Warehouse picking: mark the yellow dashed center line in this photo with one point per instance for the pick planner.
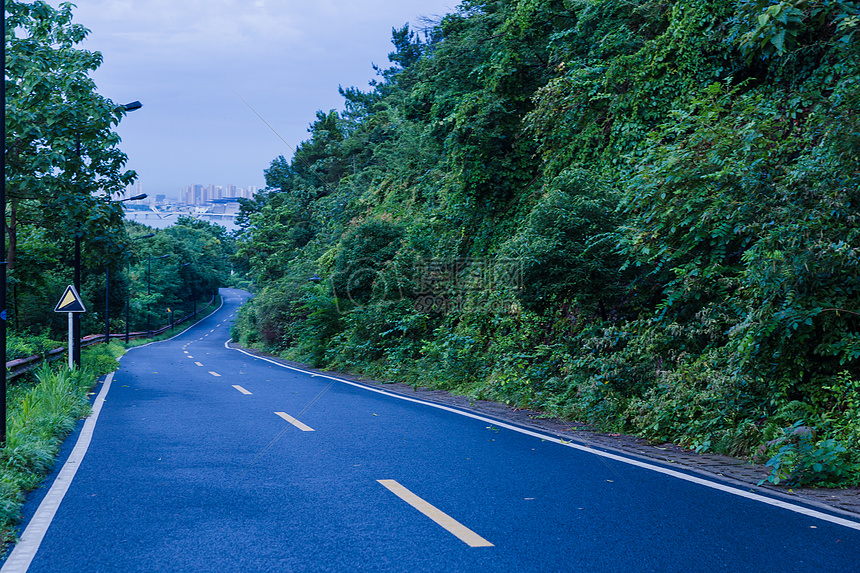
(295, 422)
(242, 390)
(451, 525)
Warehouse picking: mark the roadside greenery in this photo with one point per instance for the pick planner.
(41, 411)
(641, 215)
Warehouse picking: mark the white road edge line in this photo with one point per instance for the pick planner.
(28, 544)
(444, 520)
(644, 465)
(25, 550)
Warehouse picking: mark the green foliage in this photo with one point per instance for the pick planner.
(63, 163)
(769, 28)
(24, 346)
(802, 460)
(38, 418)
(363, 252)
(638, 215)
(562, 245)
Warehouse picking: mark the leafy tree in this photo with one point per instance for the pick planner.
(62, 160)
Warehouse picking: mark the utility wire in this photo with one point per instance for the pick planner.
(287, 427)
(295, 153)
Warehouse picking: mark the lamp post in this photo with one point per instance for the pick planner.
(76, 319)
(107, 276)
(149, 290)
(128, 294)
(193, 298)
(3, 253)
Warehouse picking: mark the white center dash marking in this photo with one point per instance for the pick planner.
(450, 524)
(214, 374)
(295, 422)
(198, 364)
(242, 390)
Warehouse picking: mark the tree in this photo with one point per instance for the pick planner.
(62, 160)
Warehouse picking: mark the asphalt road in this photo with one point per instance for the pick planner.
(204, 458)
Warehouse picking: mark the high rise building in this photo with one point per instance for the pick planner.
(200, 195)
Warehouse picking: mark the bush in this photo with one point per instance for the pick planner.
(24, 345)
(803, 460)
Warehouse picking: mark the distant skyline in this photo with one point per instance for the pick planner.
(192, 63)
(194, 194)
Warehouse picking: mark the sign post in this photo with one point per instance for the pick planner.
(71, 303)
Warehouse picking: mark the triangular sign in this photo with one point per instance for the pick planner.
(70, 301)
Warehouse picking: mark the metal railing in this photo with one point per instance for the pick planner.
(19, 366)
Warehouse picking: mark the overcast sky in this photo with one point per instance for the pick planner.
(192, 62)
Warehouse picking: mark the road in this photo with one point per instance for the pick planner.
(205, 458)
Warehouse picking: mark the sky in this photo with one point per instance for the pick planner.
(201, 66)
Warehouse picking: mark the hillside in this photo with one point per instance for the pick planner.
(643, 216)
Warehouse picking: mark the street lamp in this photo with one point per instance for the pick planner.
(149, 290)
(193, 298)
(128, 294)
(76, 317)
(107, 274)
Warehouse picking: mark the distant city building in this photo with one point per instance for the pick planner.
(133, 190)
(198, 195)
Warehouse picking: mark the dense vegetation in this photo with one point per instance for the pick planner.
(643, 215)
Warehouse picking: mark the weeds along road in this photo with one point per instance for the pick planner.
(204, 458)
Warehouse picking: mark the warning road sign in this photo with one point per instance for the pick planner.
(70, 301)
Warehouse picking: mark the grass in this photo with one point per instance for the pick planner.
(43, 408)
(41, 412)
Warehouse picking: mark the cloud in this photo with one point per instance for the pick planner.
(166, 27)
(187, 60)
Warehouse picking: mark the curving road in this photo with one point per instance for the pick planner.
(205, 458)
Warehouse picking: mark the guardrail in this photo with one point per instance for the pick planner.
(19, 366)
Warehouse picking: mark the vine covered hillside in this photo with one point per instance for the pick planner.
(641, 215)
